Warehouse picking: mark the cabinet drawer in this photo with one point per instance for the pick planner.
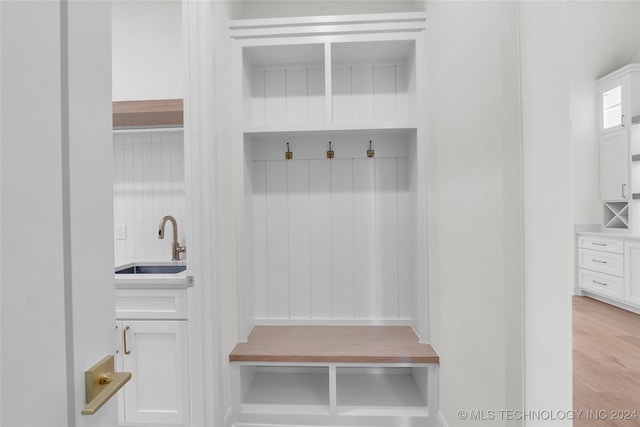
(603, 262)
(151, 303)
(602, 284)
(605, 245)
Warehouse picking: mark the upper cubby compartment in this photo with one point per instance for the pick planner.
(284, 85)
(373, 82)
(328, 73)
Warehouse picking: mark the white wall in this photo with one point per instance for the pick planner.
(147, 49)
(475, 283)
(548, 229)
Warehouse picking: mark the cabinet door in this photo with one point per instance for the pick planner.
(632, 273)
(614, 166)
(155, 352)
(613, 104)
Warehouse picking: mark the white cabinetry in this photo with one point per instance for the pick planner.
(609, 269)
(614, 164)
(601, 266)
(619, 98)
(619, 114)
(152, 344)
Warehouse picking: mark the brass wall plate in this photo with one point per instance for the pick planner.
(101, 383)
(92, 377)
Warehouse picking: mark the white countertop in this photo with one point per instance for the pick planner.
(595, 230)
(180, 280)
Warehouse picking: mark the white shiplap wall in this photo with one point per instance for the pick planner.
(148, 184)
(332, 237)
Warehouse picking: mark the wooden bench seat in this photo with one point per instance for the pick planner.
(334, 344)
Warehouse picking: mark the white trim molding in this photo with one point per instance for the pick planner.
(202, 202)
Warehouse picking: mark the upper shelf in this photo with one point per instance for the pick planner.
(153, 113)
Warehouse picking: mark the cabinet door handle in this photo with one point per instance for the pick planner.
(624, 193)
(599, 244)
(595, 260)
(622, 120)
(124, 334)
(599, 283)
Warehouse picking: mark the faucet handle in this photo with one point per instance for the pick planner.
(177, 249)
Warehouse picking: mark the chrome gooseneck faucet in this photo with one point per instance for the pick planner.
(176, 248)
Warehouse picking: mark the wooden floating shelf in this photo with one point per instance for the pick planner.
(148, 114)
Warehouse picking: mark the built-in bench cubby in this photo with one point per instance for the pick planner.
(331, 200)
(334, 375)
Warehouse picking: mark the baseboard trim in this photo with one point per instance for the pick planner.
(440, 421)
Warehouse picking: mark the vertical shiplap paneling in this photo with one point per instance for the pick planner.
(364, 241)
(370, 93)
(148, 184)
(332, 237)
(291, 96)
(258, 97)
(363, 92)
(140, 223)
(405, 277)
(296, 95)
(147, 192)
(342, 256)
(402, 93)
(320, 239)
(299, 244)
(316, 96)
(119, 210)
(341, 86)
(261, 272)
(277, 239)
(387, 237)
(275, 96)
(384, 89)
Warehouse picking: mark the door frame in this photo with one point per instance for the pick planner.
(201, 181)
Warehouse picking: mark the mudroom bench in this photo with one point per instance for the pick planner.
(334, 375)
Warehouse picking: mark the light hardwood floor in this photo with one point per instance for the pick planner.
(606, 363)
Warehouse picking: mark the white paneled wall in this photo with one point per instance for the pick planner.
(370, 93)
(331, 237)
(293, 95)
(148, 184)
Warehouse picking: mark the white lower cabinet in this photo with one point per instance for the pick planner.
(155, 351)
(632, 273)
(609, 267)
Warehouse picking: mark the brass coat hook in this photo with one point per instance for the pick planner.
(288, 155)
(330, 153)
